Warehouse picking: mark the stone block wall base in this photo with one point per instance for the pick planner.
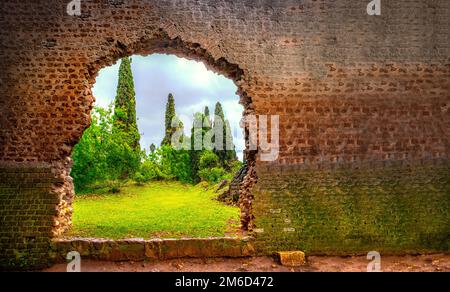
(159, 249)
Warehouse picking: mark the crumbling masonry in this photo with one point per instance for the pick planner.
(364, 106)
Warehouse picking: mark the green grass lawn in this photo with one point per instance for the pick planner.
(156, 210)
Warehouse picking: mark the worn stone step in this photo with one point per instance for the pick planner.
(157, 249)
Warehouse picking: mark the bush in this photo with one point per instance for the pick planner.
(213, 175)
(151, 170)
(139, 179)
(175, 164)
(115, 190)
(208, 160)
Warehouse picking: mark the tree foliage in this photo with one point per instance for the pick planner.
(125, 121)
(166, 164)
(109, 153)
(223, 138)
(101, 156)
(125, 130)
(170, 116)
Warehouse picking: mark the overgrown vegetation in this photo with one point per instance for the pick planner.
(109, 153)
(101, 158)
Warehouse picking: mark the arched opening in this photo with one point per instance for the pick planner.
(176, 47)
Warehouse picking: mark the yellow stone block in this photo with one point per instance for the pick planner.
(292, 258)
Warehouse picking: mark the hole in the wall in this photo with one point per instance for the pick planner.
(192, 52)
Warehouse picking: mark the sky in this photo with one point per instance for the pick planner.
(192, 85)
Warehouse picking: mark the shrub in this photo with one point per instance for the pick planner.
(213, 175)
(139, 179)
(175, 164)
(208, 160)
(151, 170)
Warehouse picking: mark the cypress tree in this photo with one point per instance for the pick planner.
(197, 135)
(226, 152)
(178, 127)
(208, 122)
(124, 119)
(126, 149)
(231, 148)
(152, 148)
(219, 111)
(170, 115)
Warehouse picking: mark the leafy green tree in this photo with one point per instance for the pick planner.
(109, 150)
(123, 160)
(170, 116)
(209, 168)
(165, 163)
(101, 156)
(208, 160)
(150, 169)
(90, 155)
(200, 141)
(175, 164)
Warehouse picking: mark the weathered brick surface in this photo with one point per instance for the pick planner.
(27, 213)
(387, 208)
(349, 88)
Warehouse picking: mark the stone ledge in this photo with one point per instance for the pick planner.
(157, 249)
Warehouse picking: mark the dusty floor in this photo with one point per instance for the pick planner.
(422, 263)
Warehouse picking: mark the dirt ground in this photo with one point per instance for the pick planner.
(421, 263)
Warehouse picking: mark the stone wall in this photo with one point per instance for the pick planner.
(352, 90)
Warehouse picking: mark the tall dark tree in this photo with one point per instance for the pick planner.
(179, 138)
(124, 119)
(152, 148)
(207, 117)
(231, 152)
(218, 111)
(225, 148)
(170, 115)
(219, 131)
(200, 128)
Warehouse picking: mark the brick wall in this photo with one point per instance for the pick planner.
(389, 208)
(349, 88)
(27, 213)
